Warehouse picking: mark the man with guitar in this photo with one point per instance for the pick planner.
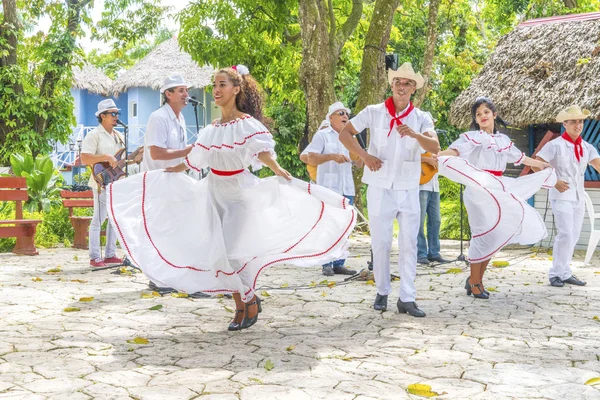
(398, 131)
(99, 146)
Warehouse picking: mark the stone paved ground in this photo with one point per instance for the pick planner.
(529, 341)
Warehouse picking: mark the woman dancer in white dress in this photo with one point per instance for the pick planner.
(216, 235)
(496, 205)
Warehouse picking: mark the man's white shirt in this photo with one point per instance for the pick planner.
(166, 131)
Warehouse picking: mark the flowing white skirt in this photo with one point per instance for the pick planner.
(216, 235)
(497, 206)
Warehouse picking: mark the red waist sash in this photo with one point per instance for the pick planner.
(226, 173)
(496, 173)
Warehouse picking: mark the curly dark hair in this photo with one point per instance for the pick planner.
(250, 98)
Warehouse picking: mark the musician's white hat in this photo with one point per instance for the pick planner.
(105, 105)
(173, 81)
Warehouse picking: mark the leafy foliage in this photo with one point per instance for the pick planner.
(43, 184)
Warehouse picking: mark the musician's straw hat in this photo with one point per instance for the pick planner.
(105, 105)
(572, 112)
(406, 71)
(173, 81)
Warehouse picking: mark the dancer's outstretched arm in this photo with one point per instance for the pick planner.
(266, 158)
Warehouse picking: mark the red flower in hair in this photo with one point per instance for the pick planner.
(234, 67)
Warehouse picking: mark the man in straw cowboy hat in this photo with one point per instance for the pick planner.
(165, 142)
(334, 166)
(392, 171)
(570, 156)
(100, 145)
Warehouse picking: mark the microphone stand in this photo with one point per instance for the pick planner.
(195, 104)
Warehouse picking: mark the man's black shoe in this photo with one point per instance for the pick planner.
(161, 290)
(556, 281)
(380, 302)
(574, 281)
(411, 308)
(423, 261)
(438, 259)
(328, 270)
(343, 271)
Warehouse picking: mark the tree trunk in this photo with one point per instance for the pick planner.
(63, 57)
(373, 80)
(434, 6)
(322, 43)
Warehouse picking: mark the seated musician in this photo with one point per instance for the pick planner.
(100, 145)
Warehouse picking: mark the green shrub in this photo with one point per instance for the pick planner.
(450, 229)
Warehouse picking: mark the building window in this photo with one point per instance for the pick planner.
(133, 110)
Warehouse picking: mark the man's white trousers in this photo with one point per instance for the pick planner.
(385, 205)
(568, 217)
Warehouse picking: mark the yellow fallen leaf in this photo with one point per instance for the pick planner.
(72, 309)
(269, 365)
(54, 270)
(290, 348)
(228, 309)
(526, 284)
(36, 279)
(597, 272)
(139, 340)
(149, 295)
(313, 284)
(75, 258)
(125, 271)
(86, 299)
(331, 284)
(422, 390)
(370, 282)
(179, 295)
(454, 271)
(323, 294)
(593, 381)
(491, 289)
(264, 293)
(78, 280)
(255, 380)
(284, 285)
(220, 295)
(323, 282)
(500, 263)
(596, 318)
(550, 258)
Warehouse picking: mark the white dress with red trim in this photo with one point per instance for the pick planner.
(216, 235)
(496, 205)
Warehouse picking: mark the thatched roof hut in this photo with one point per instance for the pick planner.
(163, 61)
(91, 79)
(539, 68)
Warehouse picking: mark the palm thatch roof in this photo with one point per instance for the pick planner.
(92, 79)
(166, 59)
(538, 69)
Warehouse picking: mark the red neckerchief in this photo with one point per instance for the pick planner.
(576, 143)
(389, 105)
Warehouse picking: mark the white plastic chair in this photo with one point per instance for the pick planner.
(594, 233)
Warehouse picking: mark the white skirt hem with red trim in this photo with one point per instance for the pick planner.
(497, 206)
(217, 235)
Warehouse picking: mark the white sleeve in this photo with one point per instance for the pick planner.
(463, 145)
(90, 143)
(156, 132)
(593, 152)
(515, 155)
(548, 152)
(362, 120)
(427, 124)
(317, 145)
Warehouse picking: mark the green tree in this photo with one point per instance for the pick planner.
(36, 106)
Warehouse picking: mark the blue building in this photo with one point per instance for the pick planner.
(138, 89)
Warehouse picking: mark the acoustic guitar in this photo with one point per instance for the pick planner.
(104, 174)
(427, 171)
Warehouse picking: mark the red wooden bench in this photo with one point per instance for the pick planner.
(13, 188)
(80, 225)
